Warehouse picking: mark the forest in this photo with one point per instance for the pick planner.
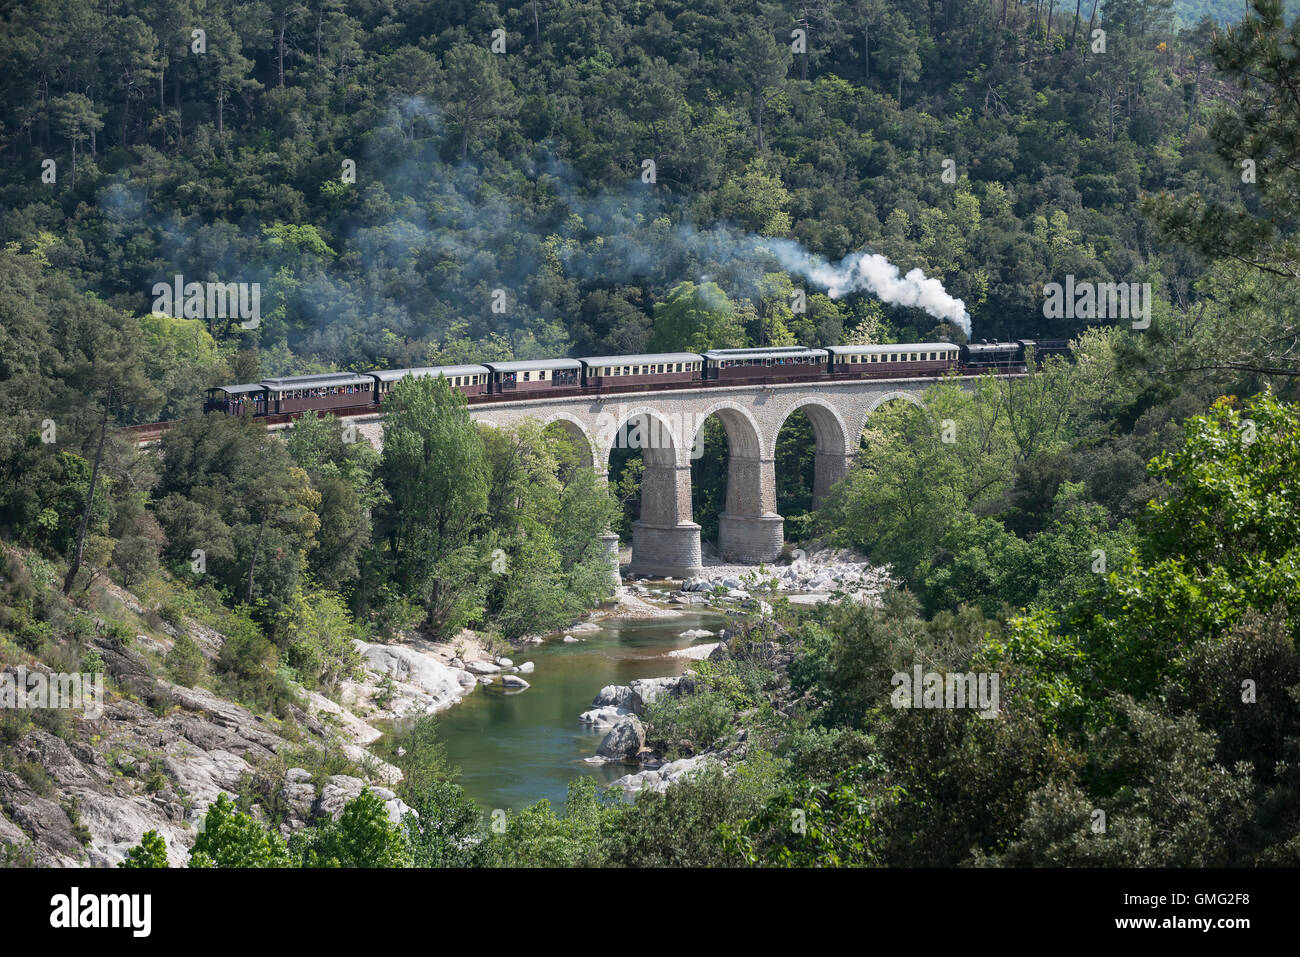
(1115, 534)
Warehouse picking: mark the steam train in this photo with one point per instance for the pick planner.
(598, 375)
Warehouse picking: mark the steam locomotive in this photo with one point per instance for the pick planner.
(598, 375)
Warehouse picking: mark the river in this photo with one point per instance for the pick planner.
(515, 748)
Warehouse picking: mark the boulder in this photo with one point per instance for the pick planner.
(649, 690)
(614, 696)
(526, 668)
(514, 681)
(605, 717)
(424, 671)
(624, 740)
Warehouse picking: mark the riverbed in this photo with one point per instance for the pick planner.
(516, 748)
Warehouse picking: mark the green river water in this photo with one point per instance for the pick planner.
(516, 748)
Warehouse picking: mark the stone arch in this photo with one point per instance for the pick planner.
(577, 430)
(830, 430)
(880, 400)
(665, 541)
(661, 444)
(834, 447)
(749, 529)
(744, 435)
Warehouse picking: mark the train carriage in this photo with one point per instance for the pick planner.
(779, 362)
(319, 393)
(904, 358)
(602, 371)
(246, 399)
(468, 379)
(533, 375)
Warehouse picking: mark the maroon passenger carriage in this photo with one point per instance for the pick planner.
(468, 379)
(318, 393)
(777, 362)
(606, 371)
(898, 359)
(534, 375)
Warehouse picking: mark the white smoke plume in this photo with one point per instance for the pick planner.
(873, 273)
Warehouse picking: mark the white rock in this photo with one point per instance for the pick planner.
(526, 668)
(603, 717)
(695, 652)
(514, 681)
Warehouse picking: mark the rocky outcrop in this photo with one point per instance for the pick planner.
(659, 779)
(649, 690)
(421, 677)
(339, 789)
(615, 702)
(819, 573)
(624, 740)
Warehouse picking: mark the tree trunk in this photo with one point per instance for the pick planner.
(221, 108)
(90, 498)
(1196, 98)
(252, 565)
(537, 26)
(280, 54)
(866, 51)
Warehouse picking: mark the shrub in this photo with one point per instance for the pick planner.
(184, 661)
(689, 723)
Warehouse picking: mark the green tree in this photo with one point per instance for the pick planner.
(694, 319)
(231, 838)
(151, 852)
(363, 836)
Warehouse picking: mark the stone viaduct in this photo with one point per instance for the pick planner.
(666, 426)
